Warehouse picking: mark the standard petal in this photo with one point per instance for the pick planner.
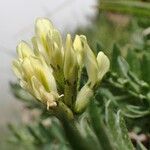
(24, 50)
(103, 64)
(70, 59)
(78, 47)
(36, 85)
(17, 69)
(43, 74)
(27, 69)
(90, 62)
(42, 27)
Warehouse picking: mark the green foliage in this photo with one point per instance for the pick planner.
(39, 136)
(124, 83)
(94, 129)
(126, 6)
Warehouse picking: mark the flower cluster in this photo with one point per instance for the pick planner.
(51, 69)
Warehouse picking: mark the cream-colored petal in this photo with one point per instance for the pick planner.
(103, 64)
(70, 59)
(43, 74)
(27, 68)
(36, 85)
(17, 69)
(90, 62)
(83, 98)
(78, 47)
(56, 37)
(42, 27)
(57, 56)
(24, 50)
(77, 44)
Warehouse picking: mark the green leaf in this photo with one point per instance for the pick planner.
(135, 111)
(133, 61)
(115, 54)
(15, 132)
(100, 129)
(20, 93)
(38, 139)
(44, 133)
(124, 132)
(98, 48)
(117, 128)
(123, 66)
(56, 131)
(145, 67)
(85, 128)
(73, 136)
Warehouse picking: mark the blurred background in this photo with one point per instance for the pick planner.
(104, 22)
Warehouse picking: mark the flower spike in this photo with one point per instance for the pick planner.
(51, 70)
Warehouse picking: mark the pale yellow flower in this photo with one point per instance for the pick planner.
(96, 69)
(51, 69)
(90, 62)
(103, 65)
(83, 98)
(48, 42)
(35, 75)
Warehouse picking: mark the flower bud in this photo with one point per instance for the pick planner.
(49, 42)
(36, 76)
(78, 47)
(70, 61)
(49, 98)
(90, 63)
(83, 98)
